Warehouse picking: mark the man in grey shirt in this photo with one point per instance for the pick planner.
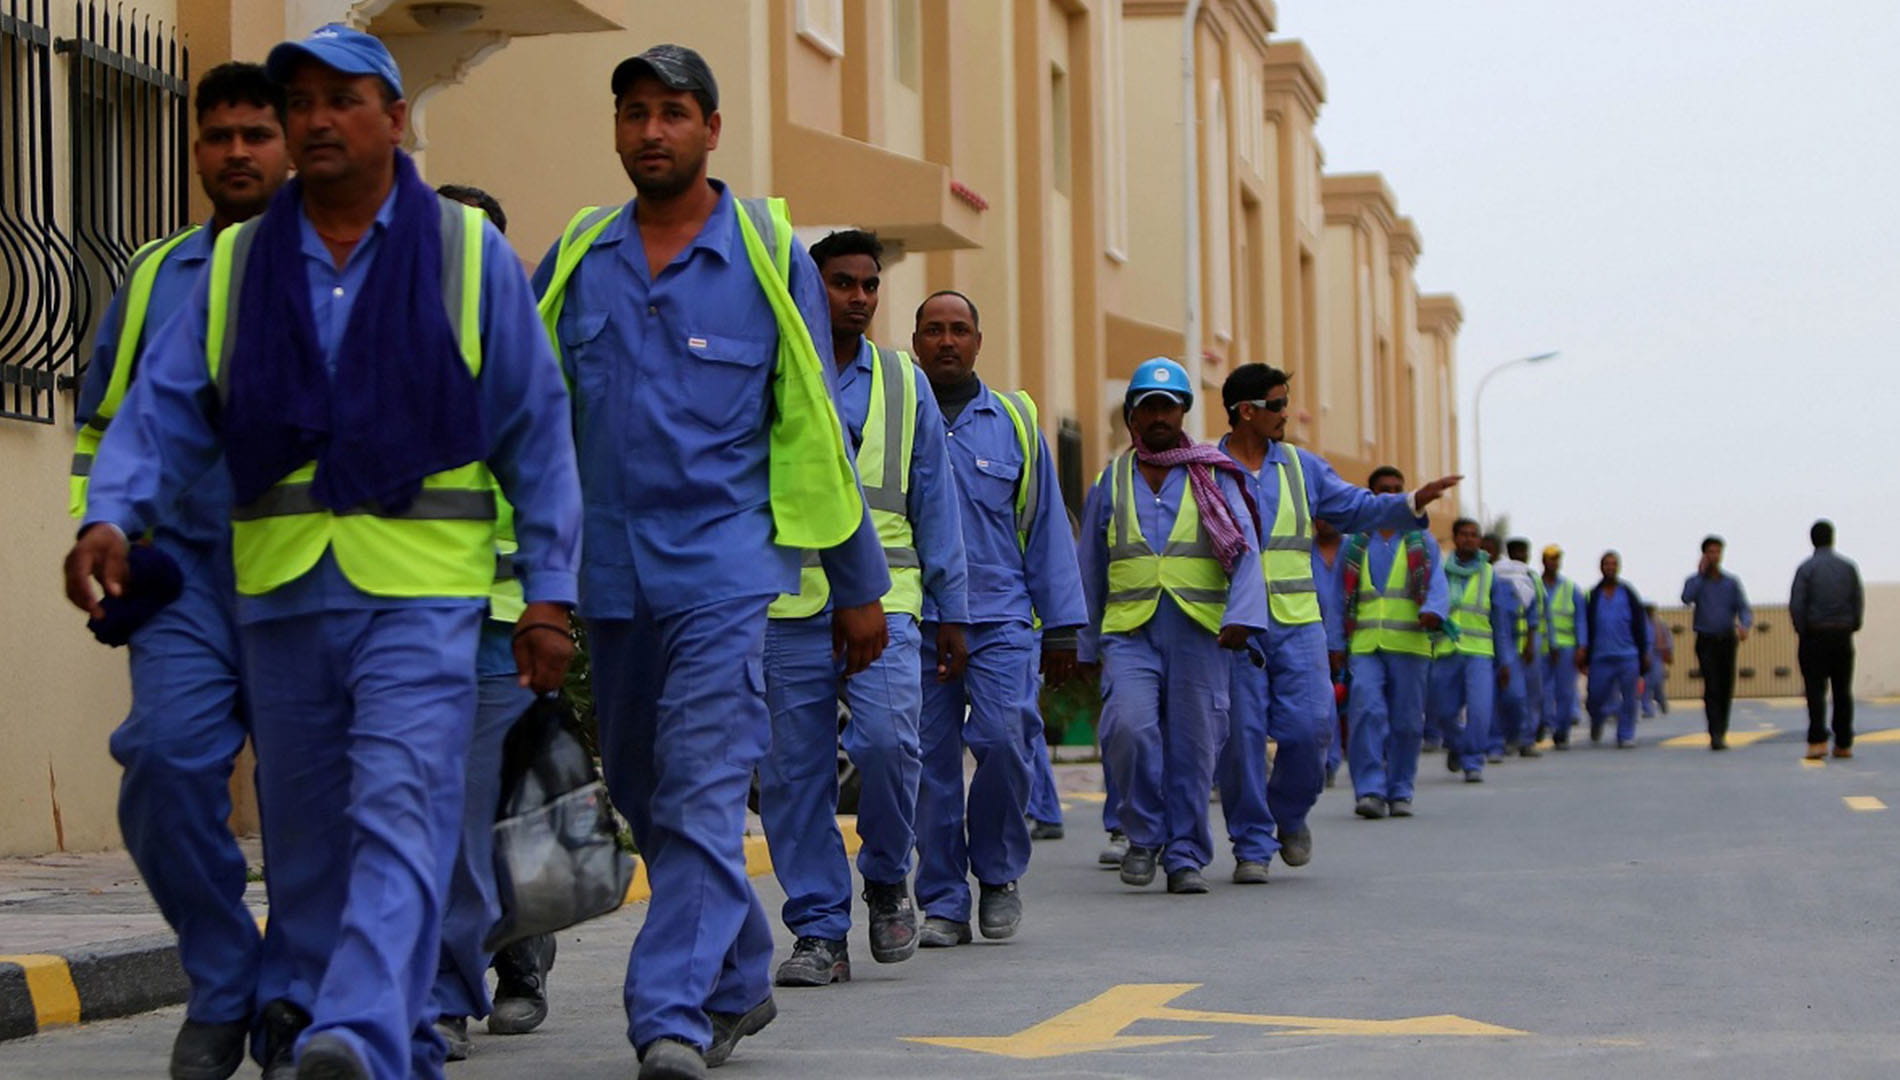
(1825, 608)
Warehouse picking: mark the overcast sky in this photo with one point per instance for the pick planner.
(1699, 204)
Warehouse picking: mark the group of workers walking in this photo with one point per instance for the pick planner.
(344, 473)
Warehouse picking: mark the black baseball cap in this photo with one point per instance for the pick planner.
(676, 66)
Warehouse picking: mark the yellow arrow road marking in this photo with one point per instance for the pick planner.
(1863, 802)
(1735, 738)
(1096, 1025)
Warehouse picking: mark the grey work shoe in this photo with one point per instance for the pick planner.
(893, 922)
(943, 933)
(1453, 761)
(521, 986)
(207, 1051)
(1529, 750)
(1296, 847)
(1369, 806)
(1473, 776)
(1494, 759)
(1045, 830)
(1399, 807)
(999, 910)
(671, 1059)
(281, 1022)
(328, 1057)
(1113, 851)
(1138, 866)
(454, 1031)
(1186, 881)
(1250, 872)
(729, 1028)
(815, 961)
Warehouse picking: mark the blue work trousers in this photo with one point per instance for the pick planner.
(1655, 685)
(1513, 724)
(798, 780)
(1533, 673)
(1613, 687)
(1045, 804)
(683, 724)
(1165, 693)
(1460, 682)
(178, 746)
(461, 986)
(1388, 721)
(1560, 692)
(983, 834)
(1241, 770)
(1299, 717)
(362, 720)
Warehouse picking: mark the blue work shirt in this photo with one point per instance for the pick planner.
(1615, 640)
(1504, 608)
(1010, 581)
(1381, 548)
(1329, 581)
(1577, 600)
(199, 523)
(168, 432)
(931, 500)
(1155, 512)
(1720, 603)
(672, 381)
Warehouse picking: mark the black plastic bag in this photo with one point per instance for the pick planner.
(557, 860)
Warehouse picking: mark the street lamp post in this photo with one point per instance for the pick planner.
(1477, 415)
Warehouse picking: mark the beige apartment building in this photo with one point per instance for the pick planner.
(1027, 152)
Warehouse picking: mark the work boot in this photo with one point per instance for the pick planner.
(1399, 807)
(1186, 881)
(454, 1031)
(1370, 807)
(1473, 776)
(1332, 777)
(893, 922)
(1714, 744)
(327, 1057)
(1843, 751)
(1495, 757)
(1296, 847)
(1543, 732)
(521, 979)
(1250, 872)
(207, 1051)
(729, 1028)
(1559, 744)
(1817, 751)
(1596, 731)
(1045, 830)
(1116, 848)
(999, 910)
(671, 1059)
(1529, 750)
(815, 961)
(943, 933)
(1452, 761)
(1138, 866)
(281, 1022)
(1630, 744)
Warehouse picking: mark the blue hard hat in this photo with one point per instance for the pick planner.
(1160, 376)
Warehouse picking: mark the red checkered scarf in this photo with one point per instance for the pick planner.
(1200, 460)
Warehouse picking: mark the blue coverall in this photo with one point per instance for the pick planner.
(798, 796)
(362, 705)
(1387, 705)
(989, 710)
(1166, 684)
(673, 395)
(1332, 616)
(1618, 653)
(1460, 681)
(1560, 664)
(1515, 722)
(180, 742)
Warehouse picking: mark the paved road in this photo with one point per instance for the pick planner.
(1663, 911)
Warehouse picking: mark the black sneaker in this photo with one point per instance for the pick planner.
(729, 1028)
(207, 1051)
(1187, 881)
(893, 922)
(1113, 851)
(328, 1057)
(671, 1059)
(1138, 866)
(521, 980)
(815, 961)
(454, 1031)
(280, 1025)
(1045, 830)
(999, 910)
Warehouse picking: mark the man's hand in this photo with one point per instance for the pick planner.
(1704, 565)
(1741, 633)
(1583, 660)
(544, 646)
(1234, 637)
(1528, 654)
(953, 652)
(1058, 666)
(1336, 662)
(1504, 676)
(1429, 621)
(858, 636)
(99, 555)
(1429, 494)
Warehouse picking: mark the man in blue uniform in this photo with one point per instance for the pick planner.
(1514, 728)
(1291, 699)
(1568, 631)
(1617, 654)
(711, 454)
(187, 724)
(1171, 565)
(1021, 558)
(1465, 672)
(1662, 653)
(1328, 541)
(1722, 622)
(1533, 645)
(374, 369)
(892, 419)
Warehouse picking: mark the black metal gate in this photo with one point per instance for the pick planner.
(34, 256)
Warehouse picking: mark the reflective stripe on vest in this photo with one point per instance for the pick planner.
(443, 544)
(884, 458)
(1022, 415)
(505, 599)
(1471, 614)
(1560, 615)
(1186, 569)
(1292, 598)
(1388, 616)
(136, 302)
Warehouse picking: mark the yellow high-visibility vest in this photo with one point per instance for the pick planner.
(442, 544)
(1560, 615)
(1471, 615)
(1185, 568)
(1388, 616)
(1287, 561)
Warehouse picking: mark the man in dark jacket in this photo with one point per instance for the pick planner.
(1617, 654)
(1825, 607)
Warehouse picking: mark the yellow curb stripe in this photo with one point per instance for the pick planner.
(49, 980)
(1863, 802)
(758, 859)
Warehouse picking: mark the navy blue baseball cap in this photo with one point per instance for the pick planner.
(337, 46)
(676, 66)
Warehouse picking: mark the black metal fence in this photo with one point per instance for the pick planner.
(125, 180)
